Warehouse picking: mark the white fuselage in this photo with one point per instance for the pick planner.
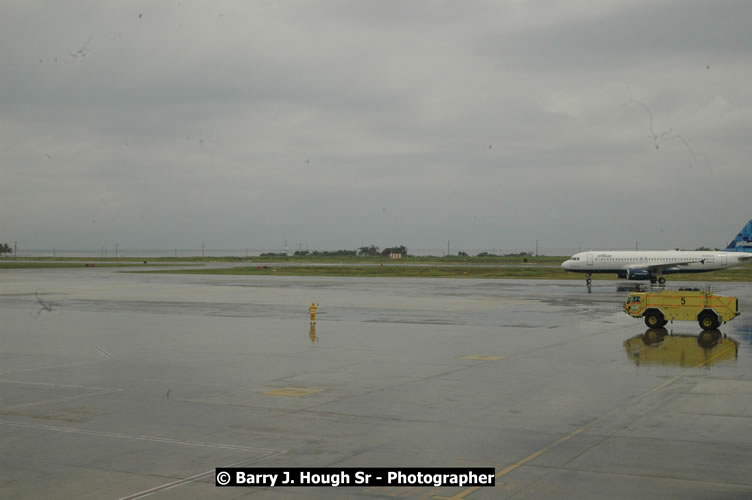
(656, 261)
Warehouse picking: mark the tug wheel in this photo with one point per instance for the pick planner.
(708, 321)
(654, 319)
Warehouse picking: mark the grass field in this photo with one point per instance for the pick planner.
(466, 271)
(514, 267)
(71, 264)
(452, 259)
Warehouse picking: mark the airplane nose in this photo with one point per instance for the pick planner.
(566, 264)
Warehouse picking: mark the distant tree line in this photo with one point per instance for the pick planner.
(374, 250)
(370, 250)
(324, 253)
(367, 251)
(5, 248)
(520, 254)
(402, 249)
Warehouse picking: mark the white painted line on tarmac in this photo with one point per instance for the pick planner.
(53, 384)
(52, 367)
(60, 400)
(180, 482)
(104, 353)
(139, 438)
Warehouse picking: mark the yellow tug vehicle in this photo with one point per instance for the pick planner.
(658, 307)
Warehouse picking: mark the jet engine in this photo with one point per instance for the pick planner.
(638, 274)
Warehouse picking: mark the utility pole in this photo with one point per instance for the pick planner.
(116, 249)
(447, 247)
(203, 245)
(536, 248)
(15, 249)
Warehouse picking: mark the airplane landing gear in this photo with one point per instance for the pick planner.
(657, 278)
(589, 282)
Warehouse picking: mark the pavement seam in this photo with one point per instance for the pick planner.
(585, 427)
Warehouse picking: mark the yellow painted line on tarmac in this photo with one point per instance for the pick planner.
(479, 357)
(582, 429)
(293, 392)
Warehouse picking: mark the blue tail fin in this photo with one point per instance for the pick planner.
(743, 240)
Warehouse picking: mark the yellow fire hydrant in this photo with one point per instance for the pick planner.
(312, 310)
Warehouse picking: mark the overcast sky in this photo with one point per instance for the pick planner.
(338, 124)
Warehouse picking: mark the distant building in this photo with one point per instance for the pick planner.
(395, 255)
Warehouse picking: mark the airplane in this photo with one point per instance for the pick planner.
(653, 264)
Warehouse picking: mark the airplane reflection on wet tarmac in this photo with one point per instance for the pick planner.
(658, 346)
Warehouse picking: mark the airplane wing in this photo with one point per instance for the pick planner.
(667, 265)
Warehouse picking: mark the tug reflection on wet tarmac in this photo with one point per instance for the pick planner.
(658, 346)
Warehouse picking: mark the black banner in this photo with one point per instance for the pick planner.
(353, 476)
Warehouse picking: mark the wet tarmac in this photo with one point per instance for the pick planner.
(116, 385)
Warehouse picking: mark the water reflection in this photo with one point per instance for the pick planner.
(659, 347)
(312, 333)
(743, 330)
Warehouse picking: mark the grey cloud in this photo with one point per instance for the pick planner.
(253, 125)
(635, 35)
